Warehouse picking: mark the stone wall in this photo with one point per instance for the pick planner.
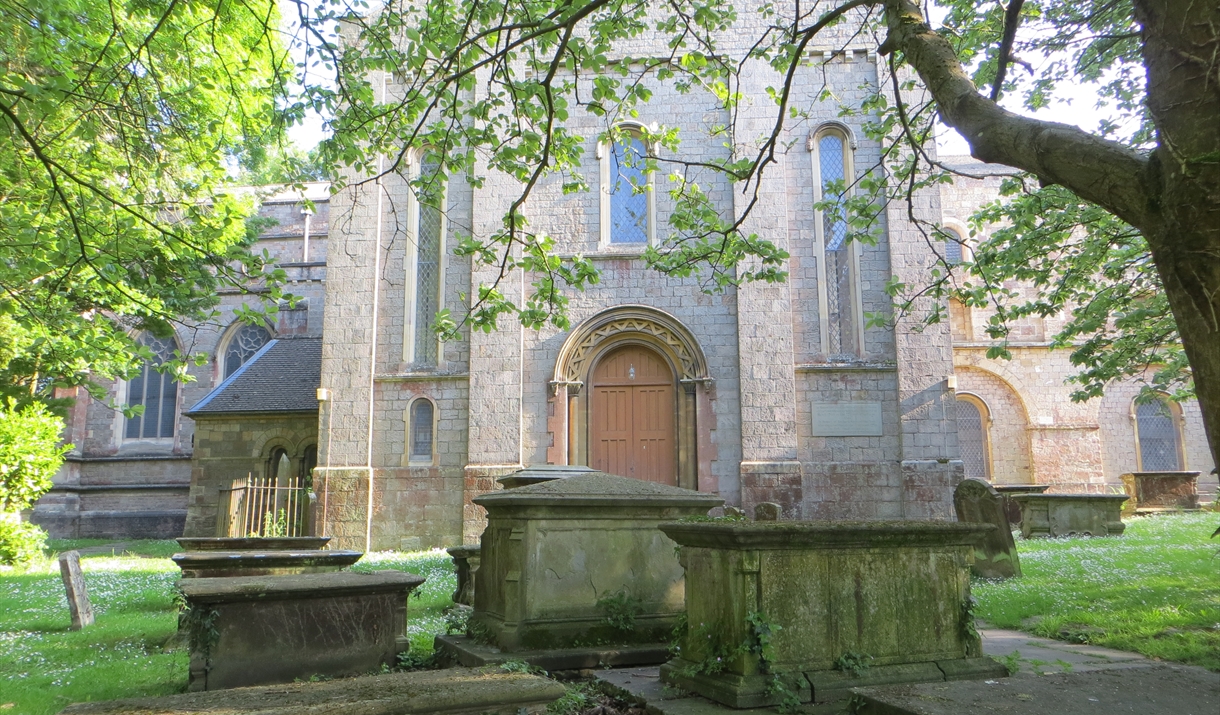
(1037, 433)
(113, 487)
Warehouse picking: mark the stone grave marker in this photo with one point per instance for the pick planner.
(767, 511)
(996, 556)
(74, 584)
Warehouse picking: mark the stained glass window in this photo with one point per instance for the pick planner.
(1158, 437)
(840, 293)
(628, 197)
(156, 391)
(429, 240)
(971, 439)
(248, 340)
(421, 430)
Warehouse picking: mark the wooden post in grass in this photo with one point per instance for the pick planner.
(74, 584)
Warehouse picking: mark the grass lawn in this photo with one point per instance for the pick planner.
(44, 666)
(1154, 590)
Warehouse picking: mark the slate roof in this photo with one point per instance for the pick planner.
(281, 377)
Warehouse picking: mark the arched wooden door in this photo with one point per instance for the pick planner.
(632, 416)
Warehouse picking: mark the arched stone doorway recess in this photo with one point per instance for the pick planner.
(595, 362)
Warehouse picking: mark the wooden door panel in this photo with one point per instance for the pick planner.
(653, 433)
(632, 416)
(612, 430)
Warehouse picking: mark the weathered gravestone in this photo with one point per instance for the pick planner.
(260, 630)
(977, 501)
(1071, 514)
(767, 511)
(74, 584)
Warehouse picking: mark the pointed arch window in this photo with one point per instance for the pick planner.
(243, 344)
(628, 208)
(839, 304)
(1158, 438)
(425, 260)
(972, 438)
(156, 391)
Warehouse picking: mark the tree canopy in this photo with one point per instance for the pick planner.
(119, 125)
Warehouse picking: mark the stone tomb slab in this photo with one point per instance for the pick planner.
(222, 564)
(1071, 514)
(996, 556)
(560, 557)
(257, 630)
(1153, 492)
(888, 594)
(1157, 690)
(252, 543)
(458, 691)
(465, 565)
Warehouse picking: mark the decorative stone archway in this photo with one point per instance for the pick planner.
(568, 421)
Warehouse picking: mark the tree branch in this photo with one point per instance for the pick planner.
(1012, 18)
(1099, 170)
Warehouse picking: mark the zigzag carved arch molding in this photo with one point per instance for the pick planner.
(663, 328)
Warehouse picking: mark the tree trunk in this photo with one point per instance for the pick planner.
(1181, 43)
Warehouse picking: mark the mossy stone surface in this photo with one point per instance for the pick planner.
(553, 550)
(882, 593)
(976, 501)
(255, 630)
(1071, 514)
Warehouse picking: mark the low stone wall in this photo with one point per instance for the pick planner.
(1070, 514)
(458, 691)
(806, 610)
(259, 630)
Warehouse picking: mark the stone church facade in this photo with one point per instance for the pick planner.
(765, 392)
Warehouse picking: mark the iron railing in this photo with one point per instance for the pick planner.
(257, 506)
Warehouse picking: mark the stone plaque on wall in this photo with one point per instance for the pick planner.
(846, 419)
